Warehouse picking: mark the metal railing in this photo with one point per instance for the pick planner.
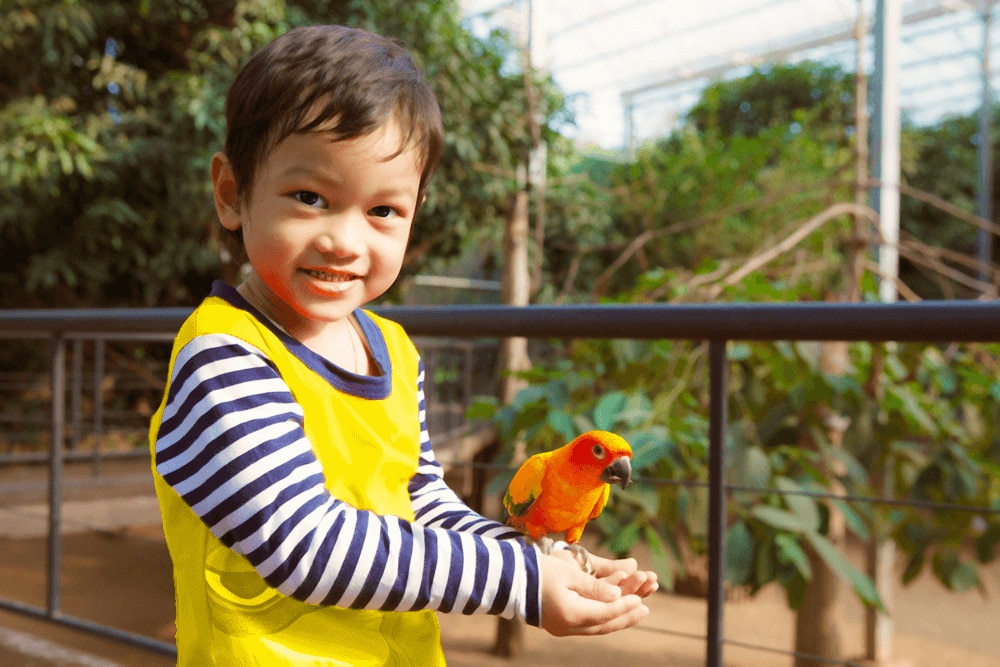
(950, 321)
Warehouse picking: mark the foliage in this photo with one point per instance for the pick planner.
(931, 420)
(753, 152)
(953, 142)
(109, 136)
(697, 198)
(775, 95)
(689, 213)
(923, 413)
(112, 110)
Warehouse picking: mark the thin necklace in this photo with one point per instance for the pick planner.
(354, 347)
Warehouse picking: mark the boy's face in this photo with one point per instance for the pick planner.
(326, 224)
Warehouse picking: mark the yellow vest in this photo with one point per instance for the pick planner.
(369, 449)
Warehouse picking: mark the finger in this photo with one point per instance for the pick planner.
(592, 588)
(605, 618)
(605, 566)
(651, 586)
(633, 583)
(617, 578)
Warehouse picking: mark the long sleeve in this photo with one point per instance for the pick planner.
(232, 445)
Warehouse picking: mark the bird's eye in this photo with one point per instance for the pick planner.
(598, 451)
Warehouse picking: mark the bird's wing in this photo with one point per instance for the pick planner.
(525, 487)
(602, 501)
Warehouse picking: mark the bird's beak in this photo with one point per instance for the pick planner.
(618, 471)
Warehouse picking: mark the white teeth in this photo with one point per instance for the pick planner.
(329, 277)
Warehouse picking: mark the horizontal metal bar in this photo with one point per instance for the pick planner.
(70, 456)
(95, 628)
(44, 323)
(927, 321)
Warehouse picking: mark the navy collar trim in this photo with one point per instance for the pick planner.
(373, 387)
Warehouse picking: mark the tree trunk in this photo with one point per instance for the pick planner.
(819, 624)
(515, 289)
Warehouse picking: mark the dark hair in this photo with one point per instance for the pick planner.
(329, 78)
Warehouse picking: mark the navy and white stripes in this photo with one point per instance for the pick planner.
(232, 444)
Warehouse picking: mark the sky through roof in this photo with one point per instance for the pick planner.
(661, 53)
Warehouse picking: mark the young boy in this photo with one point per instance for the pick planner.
(306, 516)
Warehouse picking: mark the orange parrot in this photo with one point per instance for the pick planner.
(560, 491)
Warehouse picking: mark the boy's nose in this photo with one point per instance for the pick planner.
(342, 235)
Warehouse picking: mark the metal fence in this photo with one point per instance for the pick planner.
(718, 324)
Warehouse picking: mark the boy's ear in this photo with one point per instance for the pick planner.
(225, 192)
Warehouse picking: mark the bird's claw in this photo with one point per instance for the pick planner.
(543, 543)
(582, 556)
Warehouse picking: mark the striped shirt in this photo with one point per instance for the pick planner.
(232, 444)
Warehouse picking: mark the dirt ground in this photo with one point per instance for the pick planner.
(122, 578)
(116, 571)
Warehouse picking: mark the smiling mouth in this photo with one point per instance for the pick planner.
(331, 283)
(328, 277)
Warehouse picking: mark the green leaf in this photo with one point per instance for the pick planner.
(908, 404)
(637, 409)
(986, 543)
(658, 553)
(859, 581)
(648, 447)
(764, 563)
(795, 592)
(752, 468)
(779, 518)
(482, 408)
(739, 553)
(583, 423)
(645, 497)
(803, 507)
(913, 567)
(854, 520)
(737, 351)
(964, 577)
(952, 571)
(790, 552)
(622, 543)
(563, 424)
(608, 409)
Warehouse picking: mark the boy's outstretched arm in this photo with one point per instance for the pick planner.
(232, 445)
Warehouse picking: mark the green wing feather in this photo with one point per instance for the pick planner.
(526, 486)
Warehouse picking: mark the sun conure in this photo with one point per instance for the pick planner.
(560, 491)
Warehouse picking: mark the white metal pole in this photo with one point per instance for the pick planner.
(885, 136)
(885, 200)
(984, 191)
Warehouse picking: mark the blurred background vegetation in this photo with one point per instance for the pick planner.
(110, 111)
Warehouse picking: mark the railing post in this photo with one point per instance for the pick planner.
(76, 395)
(718, 392)
(58, 381)
(98, 429)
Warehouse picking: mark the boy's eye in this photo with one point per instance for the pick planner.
(381, 211)
(308, 198)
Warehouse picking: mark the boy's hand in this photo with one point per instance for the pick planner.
(577, 603)
(625, 574)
